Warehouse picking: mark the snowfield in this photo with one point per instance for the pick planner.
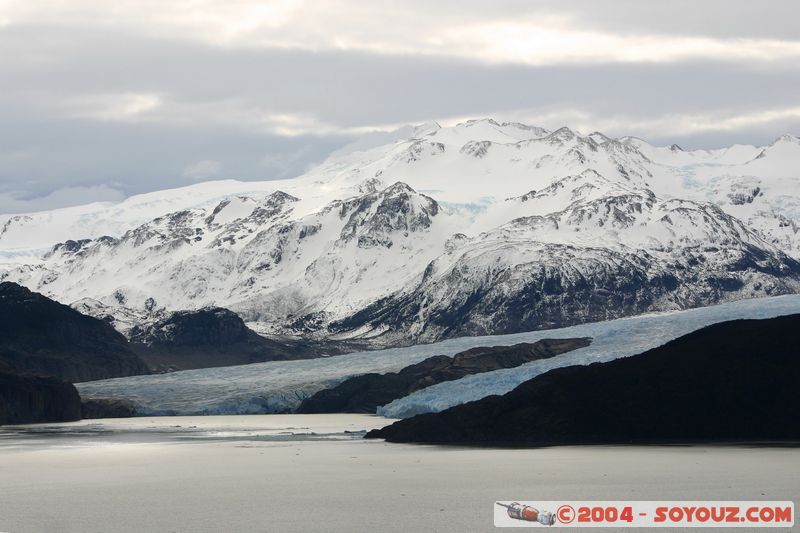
(279, 387)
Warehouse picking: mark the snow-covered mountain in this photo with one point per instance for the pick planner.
(475, 229)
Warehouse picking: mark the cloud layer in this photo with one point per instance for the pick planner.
(139, 95)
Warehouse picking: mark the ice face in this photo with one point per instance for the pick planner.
(280, 386)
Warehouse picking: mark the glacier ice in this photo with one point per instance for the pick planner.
(280, 386)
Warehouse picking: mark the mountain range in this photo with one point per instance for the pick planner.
(475, 229)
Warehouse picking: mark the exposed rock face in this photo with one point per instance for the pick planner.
(43, 337)
(26, 399)
(214, 327)
(107, 408)
(373, 218)
(364, 394)
(207, 338)
(735, 381)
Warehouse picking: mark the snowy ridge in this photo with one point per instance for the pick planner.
(475, 229)
(281, 386)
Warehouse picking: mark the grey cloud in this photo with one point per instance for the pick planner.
(212, 98)
(770, 19)
(356, 89)
(135, 158)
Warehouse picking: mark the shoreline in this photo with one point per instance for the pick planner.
(273, 428)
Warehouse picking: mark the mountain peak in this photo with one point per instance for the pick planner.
(280, 196)
(787, 138)
(599, 137)
(426, 128)
(562, 134)
(474, 121)
(398, 187)
(375, 220)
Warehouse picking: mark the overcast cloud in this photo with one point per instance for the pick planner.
(101, 100)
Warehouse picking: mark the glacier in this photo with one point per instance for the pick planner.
(279, 387)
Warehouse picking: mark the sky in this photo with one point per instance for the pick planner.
(100, 100)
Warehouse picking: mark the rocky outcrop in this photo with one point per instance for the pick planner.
(373, 219)
(26, 399)
(206, 338)
(107, 408)
(43, 337)
(364, 394)
(734, 381)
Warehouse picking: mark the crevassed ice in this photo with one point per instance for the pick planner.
(280, 386)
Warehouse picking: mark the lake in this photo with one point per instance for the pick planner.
(306, 473)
